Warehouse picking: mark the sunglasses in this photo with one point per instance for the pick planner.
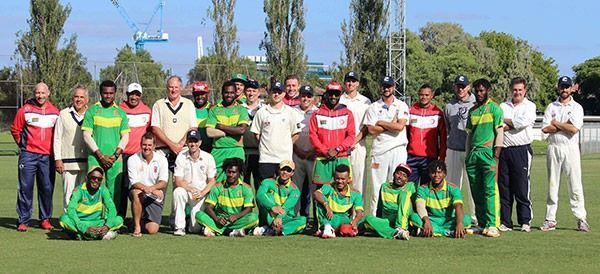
(96, 178)
(287, 169)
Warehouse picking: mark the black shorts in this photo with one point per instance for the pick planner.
(151, 210)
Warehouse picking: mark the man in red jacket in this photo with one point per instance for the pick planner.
(33, 131)
(426, 135)
(331, 132)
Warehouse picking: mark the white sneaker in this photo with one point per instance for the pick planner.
(583, 226)
(548, 225)
(208, 232)
(260, 230)
(179, 232)
(401, 234)
(109, 235)
(504, 228)
(237, 233)
(526, 228)
(328, 232)
(492, 232)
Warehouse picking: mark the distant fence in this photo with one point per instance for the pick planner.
(589, 136)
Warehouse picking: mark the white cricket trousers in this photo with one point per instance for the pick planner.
(382, 170)
(564, 157)
(71, 180)
(457, 174)
(357, 160)
(181, 199)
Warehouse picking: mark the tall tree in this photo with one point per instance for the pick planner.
(283, 40)
(131, 66)
(225, 44)
(587, 75)
(363, 38)
(43, 60)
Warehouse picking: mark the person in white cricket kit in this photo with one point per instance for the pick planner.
(358, 105)
(563, 119)
(195, 175)
(386, 120)
(70, 151)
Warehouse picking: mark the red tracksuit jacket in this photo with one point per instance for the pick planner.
(332, 129)
(33, 127)
(427, 132)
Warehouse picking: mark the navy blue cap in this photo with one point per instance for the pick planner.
(387, 81)
(276, 86)
(251, 83)
(306, 90)
(351, 75)
(193, 135)
(461, 80)
(565, 81)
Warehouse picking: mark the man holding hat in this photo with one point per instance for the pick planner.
(276, 199)
(456, 116)
(252, 105)
(394, 207)
(148, 174)
(331, 132)
(386, 120)
(240, 81)
(563, 120)
(304, 152)
(91, 213)
(275, 126)
(195, 172)
(200, 91)
(139, 118)
(358, 104)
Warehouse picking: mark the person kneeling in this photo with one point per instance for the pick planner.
(440, 207)
(277, 200)
(84, 219)
(394, 207)
(335, 205)
(229, 204)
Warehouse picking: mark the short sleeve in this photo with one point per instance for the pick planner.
(576, 116)
(403, 111)
(248, 196)
(179, 170)
(211, 170)
(124, 122)
(326, 190)
(547, 116)
(469, 126)
(422, 193)
(155, 121)
(358, 202)
(211, 120)
(371, 116)
(88, 119)
(498, 117)
(244, 117)
(455, 195)
(163, 169)
(256, 122)
(132, 165)
(213, 196)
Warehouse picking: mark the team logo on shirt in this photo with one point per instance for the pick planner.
(266, 124)
(155, 169)
(322, 122)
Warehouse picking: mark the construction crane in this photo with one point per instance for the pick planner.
(396, 46)
(140, 36)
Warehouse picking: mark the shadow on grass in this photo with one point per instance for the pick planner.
(8, 222)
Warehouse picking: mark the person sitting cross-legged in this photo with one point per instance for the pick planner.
(229, 204)
(277, 200)
(84, 218)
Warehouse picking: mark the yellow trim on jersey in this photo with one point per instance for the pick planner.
(338, 208)
(278, 199)
(89, 209)
(389, 197)
(107, 122)
(231, 202)
(438, 204)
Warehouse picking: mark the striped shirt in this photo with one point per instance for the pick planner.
(106, 125)
(233, 115)
(85, 206)
(342, 203)
(440, 203)
(230, 199)
(388, 198)
(271, 194)
(139, 123)
(482, 124)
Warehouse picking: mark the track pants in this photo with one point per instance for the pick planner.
(71, 179)
(290, 224)
(39, 169)
(382, 170)
(386, 225)
(252, 170)
(419, 166)
(303, 179)
(248, 221)
(441, 225)
(114, 181)
(457, 174)
(564, 157)
(514, 170)
(481, 169)
(71, 225)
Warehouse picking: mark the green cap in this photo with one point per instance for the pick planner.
(239, 77)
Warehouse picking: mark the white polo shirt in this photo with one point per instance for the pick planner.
(195, 172)
(303, 141)
(140, 171)
(358, 106)
(569, 112)
(523, 118)
(387, 140)
(276, 127)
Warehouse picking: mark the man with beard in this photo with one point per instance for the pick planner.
(563, 120)
(200, 91)
(386, 120)
(106, 133)
(226, 123)
(485, 139)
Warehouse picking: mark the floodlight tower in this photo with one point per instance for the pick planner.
(396, 46)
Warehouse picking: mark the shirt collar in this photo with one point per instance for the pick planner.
(444, 185)
(287, 183)
(348, 191)
(565, 104)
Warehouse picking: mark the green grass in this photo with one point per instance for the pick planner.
(563, 250)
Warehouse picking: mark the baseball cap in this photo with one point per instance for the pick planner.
(251, 83)
(276, 86)
(333, 86)
(134, 87)
(461, 80)
(351, 75)
(404, 167)
(387, 81)
(306, 90)
(565, 81)
(239, 77)
(193, 135)
(96, 168)
(200, 86)
(287, 163)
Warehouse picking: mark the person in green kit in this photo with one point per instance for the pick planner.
(277, 200)
(84, 218)
(439, 206)
(337, 203)
(200, 92)
(106, 132)
(394, 207)
(229, 204)
(226, 123)
(484, 144)
(240, 81)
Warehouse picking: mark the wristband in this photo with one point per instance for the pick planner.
(116, 154)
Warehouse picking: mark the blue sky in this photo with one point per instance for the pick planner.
(562, 30)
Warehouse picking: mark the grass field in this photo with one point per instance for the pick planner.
(563, 250)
